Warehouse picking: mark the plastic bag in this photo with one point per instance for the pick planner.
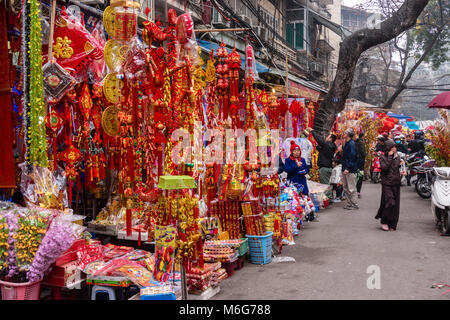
(186, 43)
(135, 66)
(43, 188)
(98, 67)
(125, 23)
(74, 48)
(250, 63)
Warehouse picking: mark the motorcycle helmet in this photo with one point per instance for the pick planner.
(418, 134)
(397, 139)
(380, 138)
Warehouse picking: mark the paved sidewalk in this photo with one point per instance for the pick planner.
(333, 256)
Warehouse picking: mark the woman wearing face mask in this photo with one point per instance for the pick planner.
(296, 168)
(400, 146)
(390, 187)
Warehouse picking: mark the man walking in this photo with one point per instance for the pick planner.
(350, 168)
(326, 149)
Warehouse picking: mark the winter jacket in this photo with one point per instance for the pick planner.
(417, 145)
(379, 147)
(361, 151)
(390, 170)
(296, 174)
(401, 148)
(350, 157)
(280, 165)
(326, 151)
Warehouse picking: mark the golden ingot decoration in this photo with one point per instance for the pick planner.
(112, 88)
(110, 121)
(108, 20)
(115, 54)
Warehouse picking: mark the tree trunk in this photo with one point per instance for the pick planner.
(349, 52)
(402, 86)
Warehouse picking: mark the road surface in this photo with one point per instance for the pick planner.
(333, 256)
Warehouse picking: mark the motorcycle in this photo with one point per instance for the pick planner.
(424, 180)
(440, 198)
(412, 161)
(375, 167)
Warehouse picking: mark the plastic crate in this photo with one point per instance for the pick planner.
(260, 248)
(20, 291)
(243, 248)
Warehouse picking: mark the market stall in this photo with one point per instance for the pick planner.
(134, 176)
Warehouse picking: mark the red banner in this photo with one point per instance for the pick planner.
(302, 91)
(7, 176)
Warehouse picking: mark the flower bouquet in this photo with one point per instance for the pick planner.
(30, 242)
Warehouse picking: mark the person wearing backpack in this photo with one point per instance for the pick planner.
(361, 152)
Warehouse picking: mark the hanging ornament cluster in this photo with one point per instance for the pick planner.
(234, 64)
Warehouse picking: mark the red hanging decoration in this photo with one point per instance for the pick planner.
(295, 109)
(70, 156)
(284, 107)
(54, 122)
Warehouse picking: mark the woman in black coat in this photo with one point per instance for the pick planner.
(390, 187)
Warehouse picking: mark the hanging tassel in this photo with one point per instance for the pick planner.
(70, 192)
(55, 153)
(128, 227)
(139, 237)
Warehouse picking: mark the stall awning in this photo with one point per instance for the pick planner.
(293, 78)
(398, 116)
(206, 46)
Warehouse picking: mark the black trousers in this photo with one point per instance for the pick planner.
(359, 183)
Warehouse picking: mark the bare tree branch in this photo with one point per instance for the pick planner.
(402, 85)
(350, 50)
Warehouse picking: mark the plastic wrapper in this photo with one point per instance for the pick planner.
(58, 238)
(74, 48)
(98, 67)
(186, 43)
(136, 273)
(125, 23)
(135, 65)
(250, 63)
(57, 81)
(43, 188)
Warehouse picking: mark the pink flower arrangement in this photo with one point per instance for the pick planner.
(59, 237)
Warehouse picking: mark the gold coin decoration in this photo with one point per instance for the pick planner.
(112, 88)
(110, 122)
(108, 20)
(115, 54)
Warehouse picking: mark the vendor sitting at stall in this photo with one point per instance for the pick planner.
(296, 168)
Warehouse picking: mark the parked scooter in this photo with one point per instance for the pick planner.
(412, 162)
(440, 198)
(424, 180)
(375, 167)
